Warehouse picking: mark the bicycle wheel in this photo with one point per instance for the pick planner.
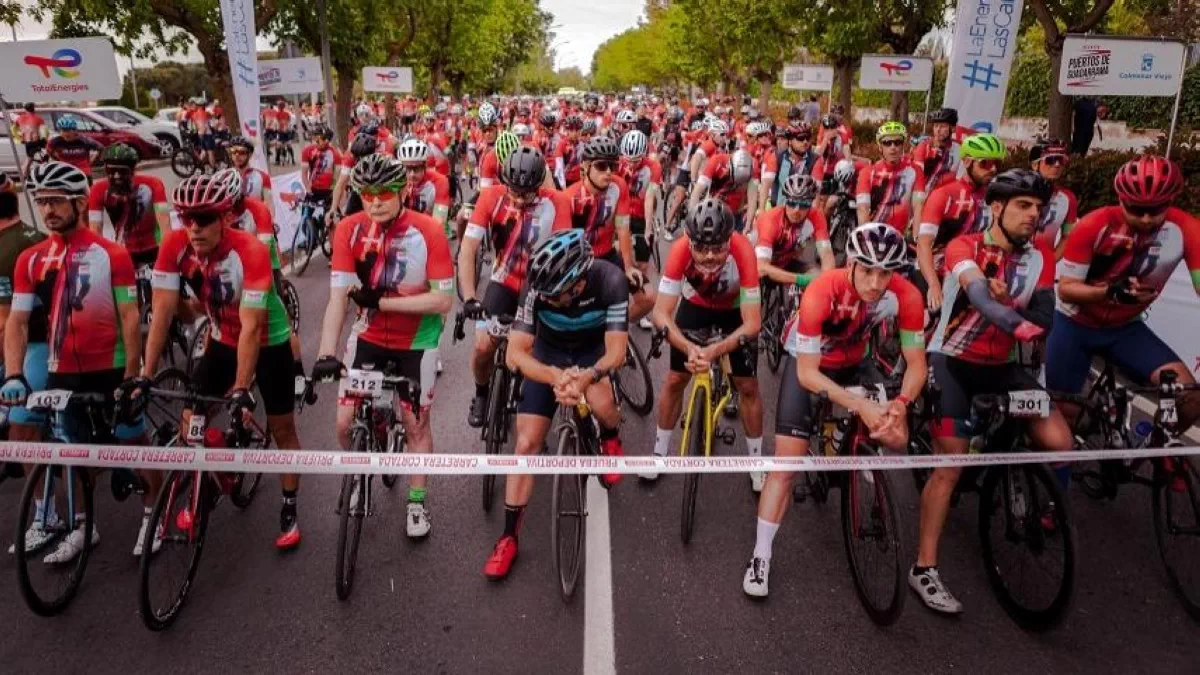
(49, 588)
(352, 509)
(633, 381)
(302, 247)
(1028, 544)
(871, 535)
(246, 485)
(497, 429)
(326, 242)
(695, 434)
(183, 162)
(774, 335)
(164, 415)
(567, 523)
(198, 346)
(1176, 501)
(291, 302)
(397, 445)
(181, 512)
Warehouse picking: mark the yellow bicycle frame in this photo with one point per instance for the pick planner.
(705, 381)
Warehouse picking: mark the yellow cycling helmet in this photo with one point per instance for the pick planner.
(890, 130)
(983, 146)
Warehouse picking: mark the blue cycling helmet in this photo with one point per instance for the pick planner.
(66, 124)
(559, 262)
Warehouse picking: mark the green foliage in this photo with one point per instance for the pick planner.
(176, 81)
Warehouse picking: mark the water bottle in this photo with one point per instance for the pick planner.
(1140, 434)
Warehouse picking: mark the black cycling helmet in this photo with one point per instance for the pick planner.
(830, 121)
(525, 169)
(322, 131)
(944, 116)
(241, 142)
(376, 170)
(589, 126)
(573, 123)
(1047, 146)
(559, 262)
(795, 113)
(120, 154)
(710, 222)
(370, 128)
(1017, 183)
(362, 146)
(601, 147)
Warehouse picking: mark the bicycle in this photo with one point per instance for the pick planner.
(376, 428)
(311, 233)
(291, 302)
(190, 159)
(184, 506)
(1106, 422)
(198, 345)
(780, 304)
(483, 261)
(869, 514)
(578, 434)
(176, 349)
(1019, 505)
(632, 379)
(710, 393)
(504, 395)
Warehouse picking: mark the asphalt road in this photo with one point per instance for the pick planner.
(647, 604)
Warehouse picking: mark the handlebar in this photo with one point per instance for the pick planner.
(460, 320)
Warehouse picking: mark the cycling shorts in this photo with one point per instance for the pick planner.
(34, 147)
(35, 369)
(794, 409)
(97, 382)
(217, 370)
(1133, 347)
(641, 246)
(683, 178)
(208, 141)
(694, 317)
(614, 257)
(537, 398)
(959, 381)
(144, 258)
(415, 364)
(498, 300)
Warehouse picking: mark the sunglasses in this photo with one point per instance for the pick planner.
(798, 204)
(1139, 211)
(1054, 160)
(238, 151)
(710, 249)
(50, 201)
(802, 138)
(372, 193)
(604, 165)
(986, 164)
(892, 142)
(122, 171)
(200, 220)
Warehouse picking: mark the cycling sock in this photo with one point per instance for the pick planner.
(416, 495)
(287, 513)
(766, 536)
(754, 446)
(512, 520)
(661, 440)
(50, 513)
(607, 434)
(481, 390)
(918, 570)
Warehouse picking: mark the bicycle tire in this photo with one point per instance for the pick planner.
(882, 533)
(567, 505)
(326, 242)
(776, 320)
(496, 424)
(397, 444)
(695, 435)
(1187, 590)
(183, 162)
(302, 250)
(41, 603)
(920, 444)
(198, 346)
(635, 370)
(176, 492)
(1045, 615)
(351, 516)
(291, 302)
(164, 416)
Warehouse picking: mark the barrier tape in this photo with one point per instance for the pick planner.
(323, 462)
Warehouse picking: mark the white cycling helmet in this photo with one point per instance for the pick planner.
(717, 126)
(363, 111)
(741, 167)
(521, 130)
(58, 176)
(487, 115)
(633, 145)
(412, 151)
(626, 116)
(844, 172)
(456, 109)
(878, 245)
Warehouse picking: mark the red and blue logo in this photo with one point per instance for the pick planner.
(388, 77)
(898, 67)
(64, 62)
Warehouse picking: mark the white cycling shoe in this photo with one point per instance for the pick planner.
(69, 548)
(933, 592)
(754, 583)
(757, 480)
(417, 523)
(35, 537)
(158, 540)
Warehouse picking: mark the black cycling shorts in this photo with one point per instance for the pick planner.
(537, 398)
(499, 300)
(794, 409)
(147, 257)
(96, 382)
(693, 317)
(417, 365)
(217, 370)
(614, 257)
(959, 381)
(208, 141)
(683, 177)
(34, 147)
(641, 246)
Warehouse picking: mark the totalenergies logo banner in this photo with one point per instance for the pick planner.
(895, 73)
(59, 70)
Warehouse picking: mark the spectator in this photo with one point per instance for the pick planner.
(812, 111)
(1084, 126)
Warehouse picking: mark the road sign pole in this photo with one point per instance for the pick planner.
(17, 158)
(925, 119)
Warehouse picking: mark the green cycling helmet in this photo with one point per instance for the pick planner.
(983, 146)
(506, 143)
(891, 129)
(120, 154)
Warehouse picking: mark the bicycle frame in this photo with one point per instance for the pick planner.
(706, 381)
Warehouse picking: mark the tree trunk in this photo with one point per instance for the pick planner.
(345, 97)
(843, 72)
(765, 82)
(389, 111)
(899, 106)
(1060, 110)
(435, 82)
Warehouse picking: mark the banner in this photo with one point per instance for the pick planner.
(1174, 318)
(55, 70)
(985, 40)
(287, 190)
(394, 80)
(895, 73)
(1116, 66)
(810, 78)
(290, 76)
(243, 67)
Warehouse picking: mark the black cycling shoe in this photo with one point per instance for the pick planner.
(478, 410)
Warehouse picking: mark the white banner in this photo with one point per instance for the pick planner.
(397, 80)
(1115, 66)
(74, 69)
(895, 73)
(810, 78)
(985, 40)
(287, 191)
(1174, 318)
(243, 67)
(290, 76)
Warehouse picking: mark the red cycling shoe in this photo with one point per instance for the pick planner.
(501, 560)
(288, 539)
(611, 448)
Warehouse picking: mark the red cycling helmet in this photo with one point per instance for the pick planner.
(202, 193)
(1148, 181)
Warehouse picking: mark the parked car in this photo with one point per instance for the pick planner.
(105, 131)
(165, 132)
(167, 115)
(8, 164)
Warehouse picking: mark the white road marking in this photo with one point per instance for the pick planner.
(599, 638)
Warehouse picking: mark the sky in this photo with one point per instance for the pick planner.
(581, 25)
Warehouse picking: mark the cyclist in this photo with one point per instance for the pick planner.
(346, 201)
(279, 128)
(730, 178)
(31, 129)
(785, 231)
(1116, 262)
(483, 140)
(394, 262)
(938, 155)
(710, 279)
(827, 344)
(834, 139)
(426, 191)
(571, 331)
(796, 159)
(136, 205)
(891, 190)
(319, 164)
(999, 290)
(1049, 158)
(570, 151)
(85, 285)
(199, 118)
(760, 144)
(493, 159)
(954, 209)
(518, 214)
(643, 176)
(229, 272)
(256, 183)
(73, 148)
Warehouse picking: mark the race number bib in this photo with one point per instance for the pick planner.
(1033, 403)
(195, 430)
(50, 399)
(361, 384)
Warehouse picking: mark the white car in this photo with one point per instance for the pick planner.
(167, 115)
(166, 133)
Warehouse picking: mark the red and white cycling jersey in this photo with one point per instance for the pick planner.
(1062, 209)
(962, 331)
(719, 179)
(437, 144)
(835, 322)
(940, 164)
(321, 164)
(727, 287)
(256, 182)
(639, 177)
(433, 191)
(599, 214)
(489, 169)
(953, 209)
(888, 191)
(516, 231)
(781, 241)
(134, 216)
(1102, 249)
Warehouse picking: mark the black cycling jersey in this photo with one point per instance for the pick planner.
(603, 307)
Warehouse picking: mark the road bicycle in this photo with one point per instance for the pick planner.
(578, 434)
(311, 234)
(780, 304)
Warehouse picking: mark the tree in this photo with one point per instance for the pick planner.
(177, 81)
(572, 77)
(902, 25)
(1079, 16)
(843, 32)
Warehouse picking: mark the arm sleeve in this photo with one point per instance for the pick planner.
(343, 274)
(814, 309)
(820, 227)
(22, 300)
(441, 195)
(478, 224)
(439, 268)
(158, 194)
(1006, 318)
(523, 322)
(96, 203)
(768, 229)
(862, 191)
(911, 318)
(677, 261)
(1077, 254)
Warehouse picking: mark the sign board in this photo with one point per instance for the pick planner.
(59, 70)
(155, 94)
(1117, 66)
(985, 41)
(290, 76)
(895, 73)
(1174, 318)
(395, 80)
(810, 78)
